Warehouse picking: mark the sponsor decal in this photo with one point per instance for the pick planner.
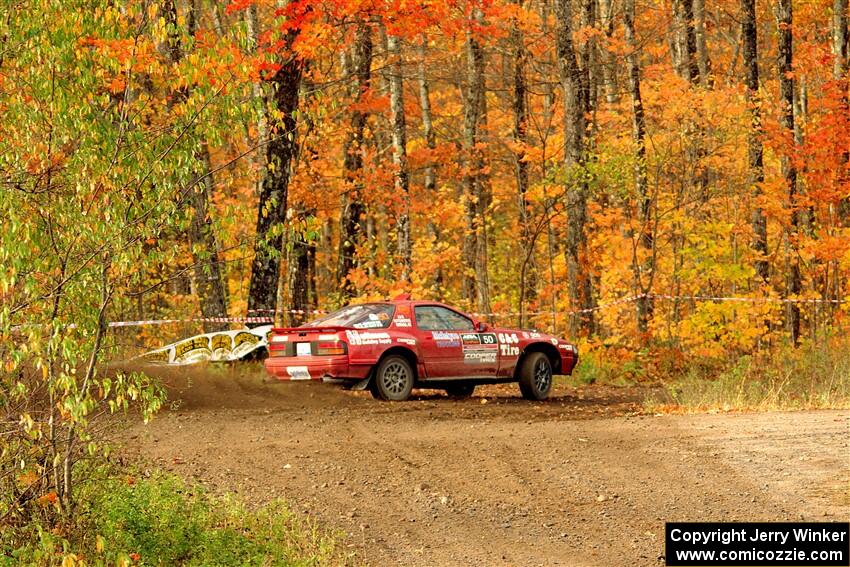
(554, 341)
(327, 337)
(508, 350)
(402, 320)
(534, 335)
(470, 339)
(479, 348)
(508, 338)
(446, 339)
(524, 335)
(480, 356)
(371, 324)
(367, 338)
(406, 341)
(298, 373)
(279, 338)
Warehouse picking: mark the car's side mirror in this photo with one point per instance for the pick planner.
(481, 326)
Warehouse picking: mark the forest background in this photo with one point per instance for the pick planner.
(665, 182)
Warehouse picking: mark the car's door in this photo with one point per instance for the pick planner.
(451, 346)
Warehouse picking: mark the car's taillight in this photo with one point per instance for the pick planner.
(330, 348)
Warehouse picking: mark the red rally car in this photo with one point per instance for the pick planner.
(392, 347)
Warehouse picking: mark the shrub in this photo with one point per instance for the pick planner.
(164, 521)
(812, 376)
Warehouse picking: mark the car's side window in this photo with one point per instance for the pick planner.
(436, 318)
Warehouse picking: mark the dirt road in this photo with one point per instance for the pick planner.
(495, 480)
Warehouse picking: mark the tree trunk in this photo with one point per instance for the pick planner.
(589, 58)
(528, 275)
(703, 58)
(575, 246)
(399, 137)
(477, 197)
(209, 282)
(644, 268)
(755, 149)
(608, 59)
(785, 67)
(259, 95)
(430, 169)
(351, 228)
(840, 52)
(271, 208)
(298, 268)
(683, 11)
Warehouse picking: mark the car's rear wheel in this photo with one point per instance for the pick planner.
(535, 376)
(393, 379)
(460, 390)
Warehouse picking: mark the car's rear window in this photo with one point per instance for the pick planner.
(362, 316)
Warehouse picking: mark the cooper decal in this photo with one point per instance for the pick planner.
(406, 341)
(480, 356)
(479, 348)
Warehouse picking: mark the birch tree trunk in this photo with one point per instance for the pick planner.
(840, 52)
(755, 149)
(608, 60)
(209, 276)
(785, 65)
(431, 144)
(207, 273)
(271, 208)
(575, 246)
(258, 157)
(644, 268)
(399, 139)
(528, 273)
(353, 210)
(683, 11)
(702, 55)
(476, 194)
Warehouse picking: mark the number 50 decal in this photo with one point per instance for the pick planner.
(489, 339)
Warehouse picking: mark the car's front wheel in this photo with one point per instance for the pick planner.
(535, 376)
(393, 379)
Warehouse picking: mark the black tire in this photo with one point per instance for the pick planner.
(535, 376)
(393, 380)
(462, 390)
